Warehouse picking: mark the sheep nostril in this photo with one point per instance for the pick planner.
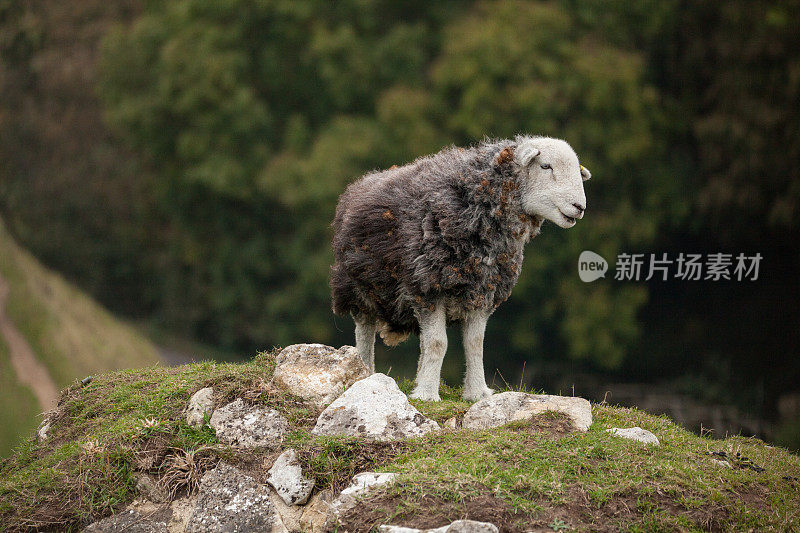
(579, 207)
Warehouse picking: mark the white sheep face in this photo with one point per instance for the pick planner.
(553, 180)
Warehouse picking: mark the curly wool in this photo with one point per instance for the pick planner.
(448, 227)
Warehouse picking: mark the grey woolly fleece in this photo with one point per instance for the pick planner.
(448, 228)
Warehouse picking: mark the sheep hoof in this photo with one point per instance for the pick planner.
(423, 394)
(479, 394)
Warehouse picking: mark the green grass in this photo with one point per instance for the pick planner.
(69, 333)
(529, 474)
(536, 473)
(19, 405)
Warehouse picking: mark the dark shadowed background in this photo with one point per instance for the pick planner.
(180, 161)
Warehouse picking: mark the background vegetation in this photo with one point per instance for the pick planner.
(181, 160)
(67, 332)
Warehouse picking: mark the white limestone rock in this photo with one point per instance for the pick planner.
(229, 500)
(316, 372)
(248, 426)
(43, 431)
(362, 483)
(459, 526)
(373, 407)
(129, 521)
(366, 481)
(200, 403)
(500, 409)
(636, 433)
(286, 477)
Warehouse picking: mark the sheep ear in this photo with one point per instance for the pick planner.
(585, 174)
(525, 153)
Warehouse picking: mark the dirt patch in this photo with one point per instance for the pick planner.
(425, 509)
(626, 508)
(428, 511)
(30, 371)
(549, 425)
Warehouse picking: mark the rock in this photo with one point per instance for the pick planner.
(348, 498)
(181, 511)
(248, 426)
(175, 515)
(316, 372)
(129, 521)
(636, 433)
(286, 477)
(149, 489)
(308, 517)
(471, 526)
(500, 409)
(721, 462)
(316, 511)
(459, 526)
(200, 403)
(43, 430)
(373, 407)
(229, 500)
(451, 423)
(366, 481)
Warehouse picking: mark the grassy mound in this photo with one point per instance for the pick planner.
(537, 474)
(68, 332)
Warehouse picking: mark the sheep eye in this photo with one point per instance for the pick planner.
(546, 166)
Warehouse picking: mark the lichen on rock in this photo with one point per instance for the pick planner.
(286, 477)
(200, 403)
(317, 373)
(248, 426)
(229, 500)
(376, 408)
(506, 407)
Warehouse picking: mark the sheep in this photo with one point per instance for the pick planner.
(440, 240)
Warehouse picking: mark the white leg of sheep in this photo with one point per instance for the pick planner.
(473, 328)
(433, 345)
(365, 343)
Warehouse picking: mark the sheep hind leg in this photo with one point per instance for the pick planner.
(473, 329)
(365, 343)
(433, 346)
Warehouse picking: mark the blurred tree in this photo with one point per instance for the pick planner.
(735, 69)
(69, 190)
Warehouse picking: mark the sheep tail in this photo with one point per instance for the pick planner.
(391, 337)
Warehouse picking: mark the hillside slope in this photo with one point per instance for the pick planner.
(534, 475)
(50, 335)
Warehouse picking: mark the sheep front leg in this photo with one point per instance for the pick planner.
(473, 329)
(433, 345)
(365, 343)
